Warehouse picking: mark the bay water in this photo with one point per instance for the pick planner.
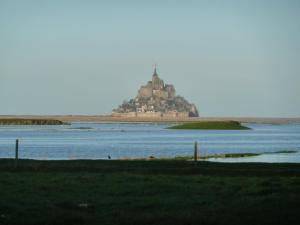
(140, 140)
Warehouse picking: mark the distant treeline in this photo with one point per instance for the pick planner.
(23, 121)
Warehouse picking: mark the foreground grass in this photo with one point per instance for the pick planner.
(211, 125)
(148, 192)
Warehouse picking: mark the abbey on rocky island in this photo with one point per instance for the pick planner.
(156, 99)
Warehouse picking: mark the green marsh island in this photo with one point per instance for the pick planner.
(24, 121)
(210, 125)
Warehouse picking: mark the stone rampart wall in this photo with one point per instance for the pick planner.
(152, 115)
(124, 115)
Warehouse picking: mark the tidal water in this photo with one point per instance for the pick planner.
(139, 140)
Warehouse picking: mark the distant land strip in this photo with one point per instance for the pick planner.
(108, 118)
(29, 121)
(210, 125)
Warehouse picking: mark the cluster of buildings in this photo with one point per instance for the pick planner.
(156, 99)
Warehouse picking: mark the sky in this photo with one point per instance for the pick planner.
(230, 58)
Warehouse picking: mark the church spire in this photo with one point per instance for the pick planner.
(155, 73)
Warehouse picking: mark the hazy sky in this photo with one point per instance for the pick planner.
(230, 58)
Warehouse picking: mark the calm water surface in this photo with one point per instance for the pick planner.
(123, 140)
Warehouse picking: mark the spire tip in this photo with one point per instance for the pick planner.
(155, 73)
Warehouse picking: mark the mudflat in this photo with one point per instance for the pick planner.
(109, 118)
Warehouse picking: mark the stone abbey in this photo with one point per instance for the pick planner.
(156, 99)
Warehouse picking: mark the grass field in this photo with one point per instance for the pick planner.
(148, 192)
(211, 125)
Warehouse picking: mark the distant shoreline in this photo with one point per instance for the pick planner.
(29, 121)
(109, 118)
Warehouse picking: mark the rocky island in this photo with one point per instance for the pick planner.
(156, 100)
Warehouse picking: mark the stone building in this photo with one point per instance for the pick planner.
(156, 99)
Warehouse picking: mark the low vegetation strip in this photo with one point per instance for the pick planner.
(235, 155)
(212, 125)
(148, 192)
(23, 121)
(226, 155)
(175, 167)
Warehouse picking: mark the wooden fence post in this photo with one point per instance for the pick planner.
(17, 153)
(195, 151)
